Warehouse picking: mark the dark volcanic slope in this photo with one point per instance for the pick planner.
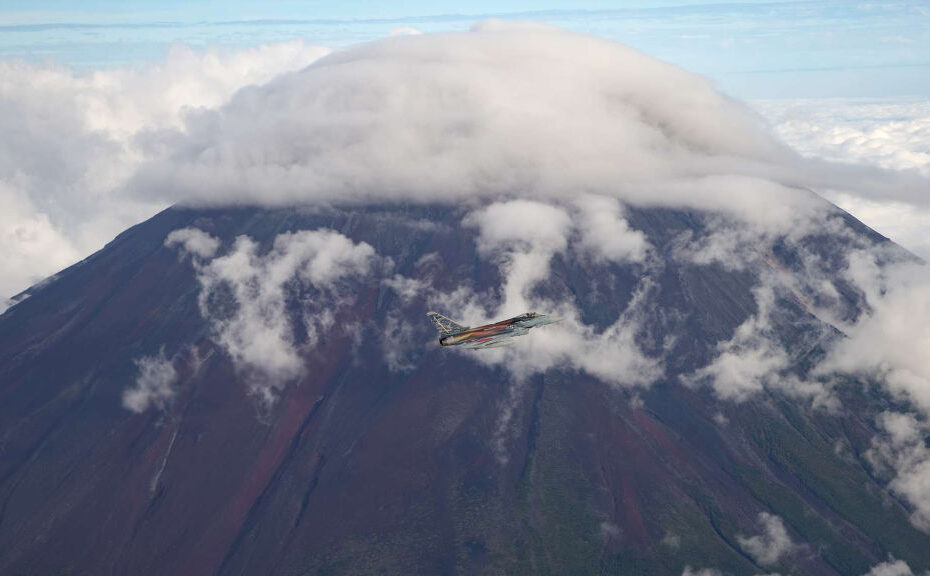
(360, 470)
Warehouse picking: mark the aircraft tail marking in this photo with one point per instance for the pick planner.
(445, 325)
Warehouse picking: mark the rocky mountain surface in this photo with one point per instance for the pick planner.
(379, 452)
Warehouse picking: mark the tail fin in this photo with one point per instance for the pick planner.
(445, 325)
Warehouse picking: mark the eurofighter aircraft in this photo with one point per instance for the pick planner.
(490, 335)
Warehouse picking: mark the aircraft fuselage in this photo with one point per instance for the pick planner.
(497, 333)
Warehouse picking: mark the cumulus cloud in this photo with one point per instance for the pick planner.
(154, 386)
(405, 287)
(769, 547)
(73, 140)
(246, 294)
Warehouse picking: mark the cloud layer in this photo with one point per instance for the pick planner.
(890, 134)
(894, 135)
(452, 117)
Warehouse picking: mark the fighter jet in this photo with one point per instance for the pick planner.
(490, 335)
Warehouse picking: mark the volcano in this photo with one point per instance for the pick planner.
(147, 426)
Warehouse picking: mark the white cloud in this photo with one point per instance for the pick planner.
(7, 303)
(245, 295)
(889, 340)
(31, 246)
(753, 359)
(894, 135)
(405, 287)
(612, 355)
(437, 118)
(726, 242)
(750, 360)
(521, 224)
(904, 223)
(193, 241)
(890, 134)
(890, 568)
(522, 236)
(769, 547)
(72, 141)
(901, 448)
(886, 345)
(606, 234)
(452, 117)
(154, 386)
(123, 102)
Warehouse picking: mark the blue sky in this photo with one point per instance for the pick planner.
(751, 49)
(179, 10)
